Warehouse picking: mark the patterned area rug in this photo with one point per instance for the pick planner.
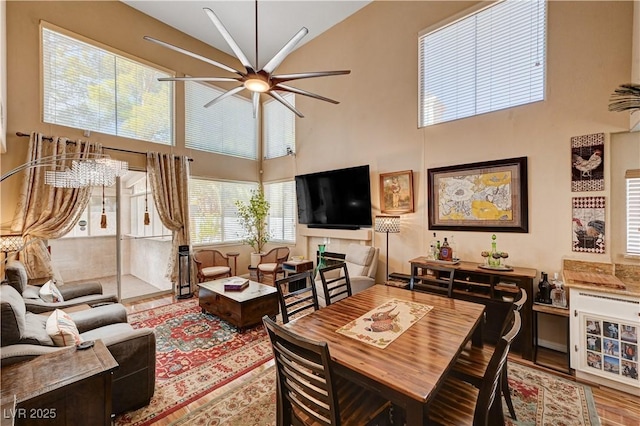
(544, 399)
(539, 399)
(196, 353)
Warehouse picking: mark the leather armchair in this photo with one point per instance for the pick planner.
(89, 293)
(362, 264)
(24, 337)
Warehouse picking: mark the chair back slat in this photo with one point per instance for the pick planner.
(491, 379)
(335, 288)
(295, 302)
(442, 280)
(304, 377)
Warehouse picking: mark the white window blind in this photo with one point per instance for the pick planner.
(279, 128)
(633, 212)
(282, 211)
(227, 127)
(487, 61)
(214, 216)
(90, 88)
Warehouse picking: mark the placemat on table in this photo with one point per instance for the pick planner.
(382, 325)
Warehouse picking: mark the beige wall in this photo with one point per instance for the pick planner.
(589, 54)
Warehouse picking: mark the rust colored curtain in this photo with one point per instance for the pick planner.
(169, 180)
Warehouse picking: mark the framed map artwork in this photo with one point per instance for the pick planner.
(488, 196)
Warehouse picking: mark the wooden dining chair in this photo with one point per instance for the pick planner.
(441, 282)
(460, 403)
(293, 303)
(309, 392)
(338, 287)
(270, 265)
(473, 361)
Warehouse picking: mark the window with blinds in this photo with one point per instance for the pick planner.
(633, 211)
(90, 88)
(487, 61)
(282, 211)
(214, 216)
(227, 127)
(279, 128)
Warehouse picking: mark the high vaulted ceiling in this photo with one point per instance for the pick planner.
(278, 21)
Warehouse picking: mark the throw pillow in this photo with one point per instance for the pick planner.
(62, 329)
(50, 293)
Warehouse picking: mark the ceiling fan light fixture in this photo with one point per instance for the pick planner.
(257, 85)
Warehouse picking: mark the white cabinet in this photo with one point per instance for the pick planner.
(605, 329)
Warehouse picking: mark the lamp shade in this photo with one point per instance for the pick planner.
(389, 224)
(11, 242)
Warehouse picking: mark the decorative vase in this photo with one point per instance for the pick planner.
(255, 259)
(321, 262)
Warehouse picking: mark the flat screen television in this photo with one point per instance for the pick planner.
(339, 199)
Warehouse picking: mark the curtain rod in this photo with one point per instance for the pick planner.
(50, 139)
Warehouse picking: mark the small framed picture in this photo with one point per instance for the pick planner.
(396, 192)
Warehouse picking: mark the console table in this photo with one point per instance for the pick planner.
(495, 289)
(65, 387)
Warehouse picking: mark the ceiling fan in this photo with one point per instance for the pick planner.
(256, 81)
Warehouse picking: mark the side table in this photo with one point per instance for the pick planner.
(538, 308)
(295, 267)
(65, 387)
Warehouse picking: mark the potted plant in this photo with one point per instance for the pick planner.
(253, 219)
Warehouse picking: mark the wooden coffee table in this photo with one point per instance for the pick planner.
(240, 308)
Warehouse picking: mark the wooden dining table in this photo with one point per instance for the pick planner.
(408, 371)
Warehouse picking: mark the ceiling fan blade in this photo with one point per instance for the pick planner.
(198, 79)
(224, 95)
(286, 49)
(303, 92)
(287, 77)
(230, 41)
(194, 55)
(280, 99)
(256, 103)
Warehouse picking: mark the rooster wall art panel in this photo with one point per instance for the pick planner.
(588, 224)
(587, 163)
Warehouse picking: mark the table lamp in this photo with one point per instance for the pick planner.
(387, 224)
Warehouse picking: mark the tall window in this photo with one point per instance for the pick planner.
(633, 211)
(487, 61)
(214, 216)
(227, 127)
(279, 128)
(90, 88)
(89, 223)
(282, 211)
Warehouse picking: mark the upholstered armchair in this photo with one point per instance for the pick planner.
(89, 293)
(270, 264)
(24, 337)
(212, 264)
(362, 264)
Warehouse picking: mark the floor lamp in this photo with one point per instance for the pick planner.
(388, 224)
(10, 243)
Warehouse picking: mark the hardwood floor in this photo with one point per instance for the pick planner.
(614, 408)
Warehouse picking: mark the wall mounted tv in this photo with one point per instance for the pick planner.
(338, 199)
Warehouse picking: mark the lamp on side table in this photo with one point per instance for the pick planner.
(10, 243)
(387, 224)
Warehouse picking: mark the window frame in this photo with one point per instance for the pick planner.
(291, 195)
(256, 121)
(454, 19)
(632, 202)
(265, 127)
(112, 50)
